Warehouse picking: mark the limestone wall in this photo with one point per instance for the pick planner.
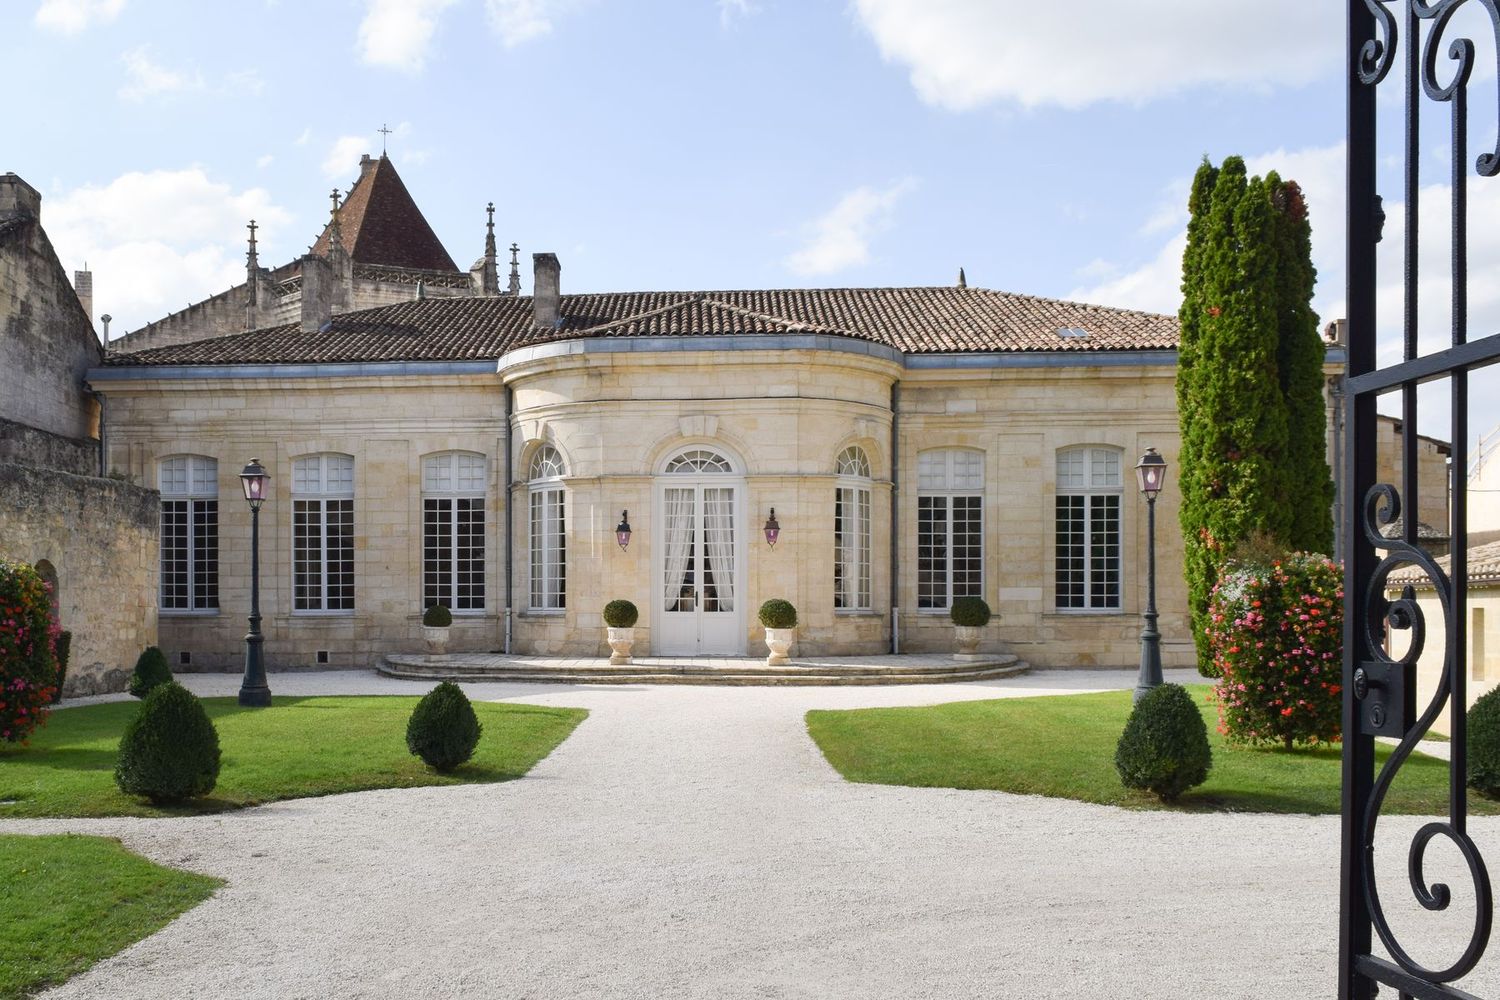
(46, 340)
(781, 416)
(100, 535)
(387, 426)
(24, 445)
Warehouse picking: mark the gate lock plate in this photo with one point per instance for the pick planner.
(1387, 694)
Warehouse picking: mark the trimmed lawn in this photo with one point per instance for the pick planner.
(1064, 746)
(68, 901)
(296, 748)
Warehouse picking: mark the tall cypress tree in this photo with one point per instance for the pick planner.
(1230, 405)
(1300, 364)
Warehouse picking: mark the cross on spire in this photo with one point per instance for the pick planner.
(490, 211)
(383, 133)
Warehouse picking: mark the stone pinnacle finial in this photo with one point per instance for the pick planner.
(489, 274)
(335, 231)
(962, 281)
(515, 270)
(251, 260)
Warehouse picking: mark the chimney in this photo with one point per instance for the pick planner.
(83, 284)
(104, 321)
(317, 293)
(18, 198)
(365, 165)
(546, 290)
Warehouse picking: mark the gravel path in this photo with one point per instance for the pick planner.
(692, 842)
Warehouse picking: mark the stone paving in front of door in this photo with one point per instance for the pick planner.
(691, 842)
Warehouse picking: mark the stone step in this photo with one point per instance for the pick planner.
(730, 677)
(460, 666)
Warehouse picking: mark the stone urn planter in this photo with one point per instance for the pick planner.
(620, 642)
(780, 620)
(970, 615)
(435, 622)
(619, 618)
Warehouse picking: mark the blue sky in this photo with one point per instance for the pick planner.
(698, 144)
(690, 144)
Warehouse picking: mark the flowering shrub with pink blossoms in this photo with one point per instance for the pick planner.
(1276, 631)
(28, 654)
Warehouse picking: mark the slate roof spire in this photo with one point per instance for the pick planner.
(381, 224)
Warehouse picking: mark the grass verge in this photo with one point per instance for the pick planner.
(296, 748)
(1064, 746)
(68, 901)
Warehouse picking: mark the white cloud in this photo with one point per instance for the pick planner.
(965, 54)
(731, 11)
(145, 78)
(342, 161)
(265, 161)
(397, 34)
(840, 238)
(69, 17)
(520, 21)
(159, 240)
(303, 139)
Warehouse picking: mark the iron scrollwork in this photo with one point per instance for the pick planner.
(1383, 507)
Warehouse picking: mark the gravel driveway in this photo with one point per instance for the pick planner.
(692, 842)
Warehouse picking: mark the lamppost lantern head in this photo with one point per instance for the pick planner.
(1151, 473)
(622, 530)
(254, 481)
(773, 529)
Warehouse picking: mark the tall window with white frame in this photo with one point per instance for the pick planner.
(453, 503)
(549, 555)
(189, 487)
(851, 532)
(1088, 528)
(950, 526)
(323, 533)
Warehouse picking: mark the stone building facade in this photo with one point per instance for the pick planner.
(93, 538)
(914, 444)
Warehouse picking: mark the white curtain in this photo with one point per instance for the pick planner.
(680, 518)
(718, 523)
(846, 552)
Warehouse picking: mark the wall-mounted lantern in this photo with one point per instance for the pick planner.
(773, 529)
(622, 530)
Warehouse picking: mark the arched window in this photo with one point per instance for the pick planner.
(1089, 485)
(549, 552)
(851, 532)
(323, 533)
(453, 505)
(698, 461)
(950, 526)
(189, 486)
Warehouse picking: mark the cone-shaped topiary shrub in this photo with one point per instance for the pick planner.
(64, 648)
(437, 616)
(621, 614)
(1484, 744)
(970, 611)
(150, 670)
(777, 613)
(443, 729)
(1164, 748)
(170, 750)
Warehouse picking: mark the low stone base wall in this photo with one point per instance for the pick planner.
(98, 537)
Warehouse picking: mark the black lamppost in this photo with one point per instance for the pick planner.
(254, 692)
(1151, 474)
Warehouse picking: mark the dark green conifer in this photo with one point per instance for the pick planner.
(1230, 405)
(1300, 362)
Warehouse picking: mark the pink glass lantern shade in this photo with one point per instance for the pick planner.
(255, 483)
(622, 530)
(773, 529)
(1151, 473)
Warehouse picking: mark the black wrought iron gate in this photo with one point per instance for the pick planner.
(1408, 41)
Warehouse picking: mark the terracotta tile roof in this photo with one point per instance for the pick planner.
(910, 320)
(1484, 567)
(382, 225)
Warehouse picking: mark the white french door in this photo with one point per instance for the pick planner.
(699, 570)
